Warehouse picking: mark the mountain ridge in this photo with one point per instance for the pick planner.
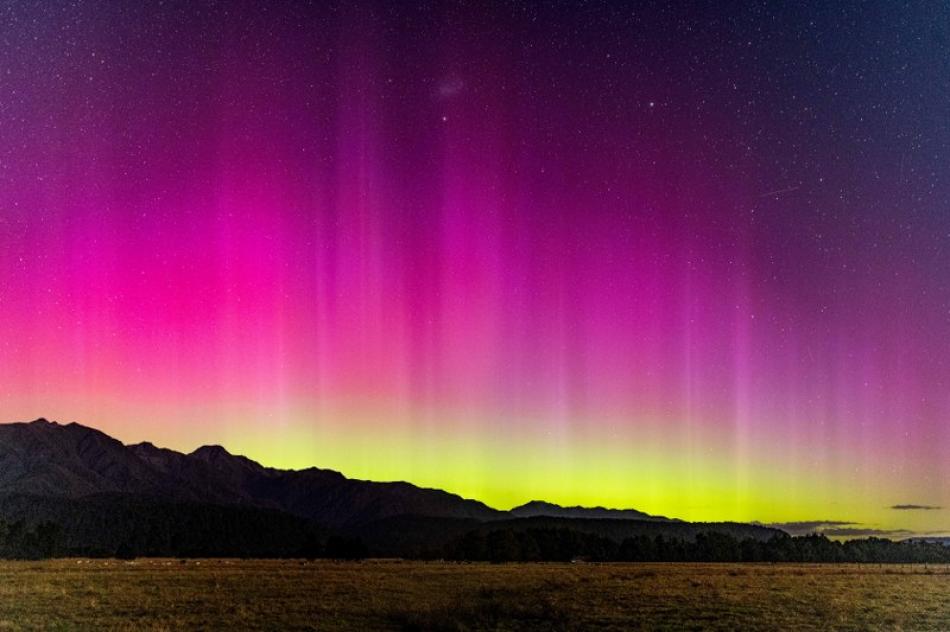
(227, 472)
(108, 496)
(43, 457)
(536, 508)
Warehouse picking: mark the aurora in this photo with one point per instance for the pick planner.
(653, 259)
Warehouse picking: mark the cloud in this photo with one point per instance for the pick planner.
(860, 532)
(838, 529)
(916, 507)
(845, 529)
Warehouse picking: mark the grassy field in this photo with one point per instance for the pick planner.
(211, 594)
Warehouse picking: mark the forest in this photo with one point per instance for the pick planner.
(212, 538)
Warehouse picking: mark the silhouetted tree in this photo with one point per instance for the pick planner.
(345, 548)
(125, 552)
(561, 544)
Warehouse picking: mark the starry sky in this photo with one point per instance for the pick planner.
(692, 258)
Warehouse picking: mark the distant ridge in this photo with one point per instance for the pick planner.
(537, 508)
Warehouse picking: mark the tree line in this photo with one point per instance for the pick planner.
(20, 540)
(562, 545)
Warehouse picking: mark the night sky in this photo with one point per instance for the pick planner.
(693, 259)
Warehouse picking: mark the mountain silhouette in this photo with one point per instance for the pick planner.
(109, 497)
(45, 458)
(537, 508)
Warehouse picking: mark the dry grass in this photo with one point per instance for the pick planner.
(212, 594)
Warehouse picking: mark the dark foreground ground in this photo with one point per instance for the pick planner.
(212, 594)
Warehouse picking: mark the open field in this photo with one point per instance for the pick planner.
(170, 594)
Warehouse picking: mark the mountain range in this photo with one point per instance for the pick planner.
(542, 508)
(103, 492)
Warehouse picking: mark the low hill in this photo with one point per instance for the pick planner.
(542, 508)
